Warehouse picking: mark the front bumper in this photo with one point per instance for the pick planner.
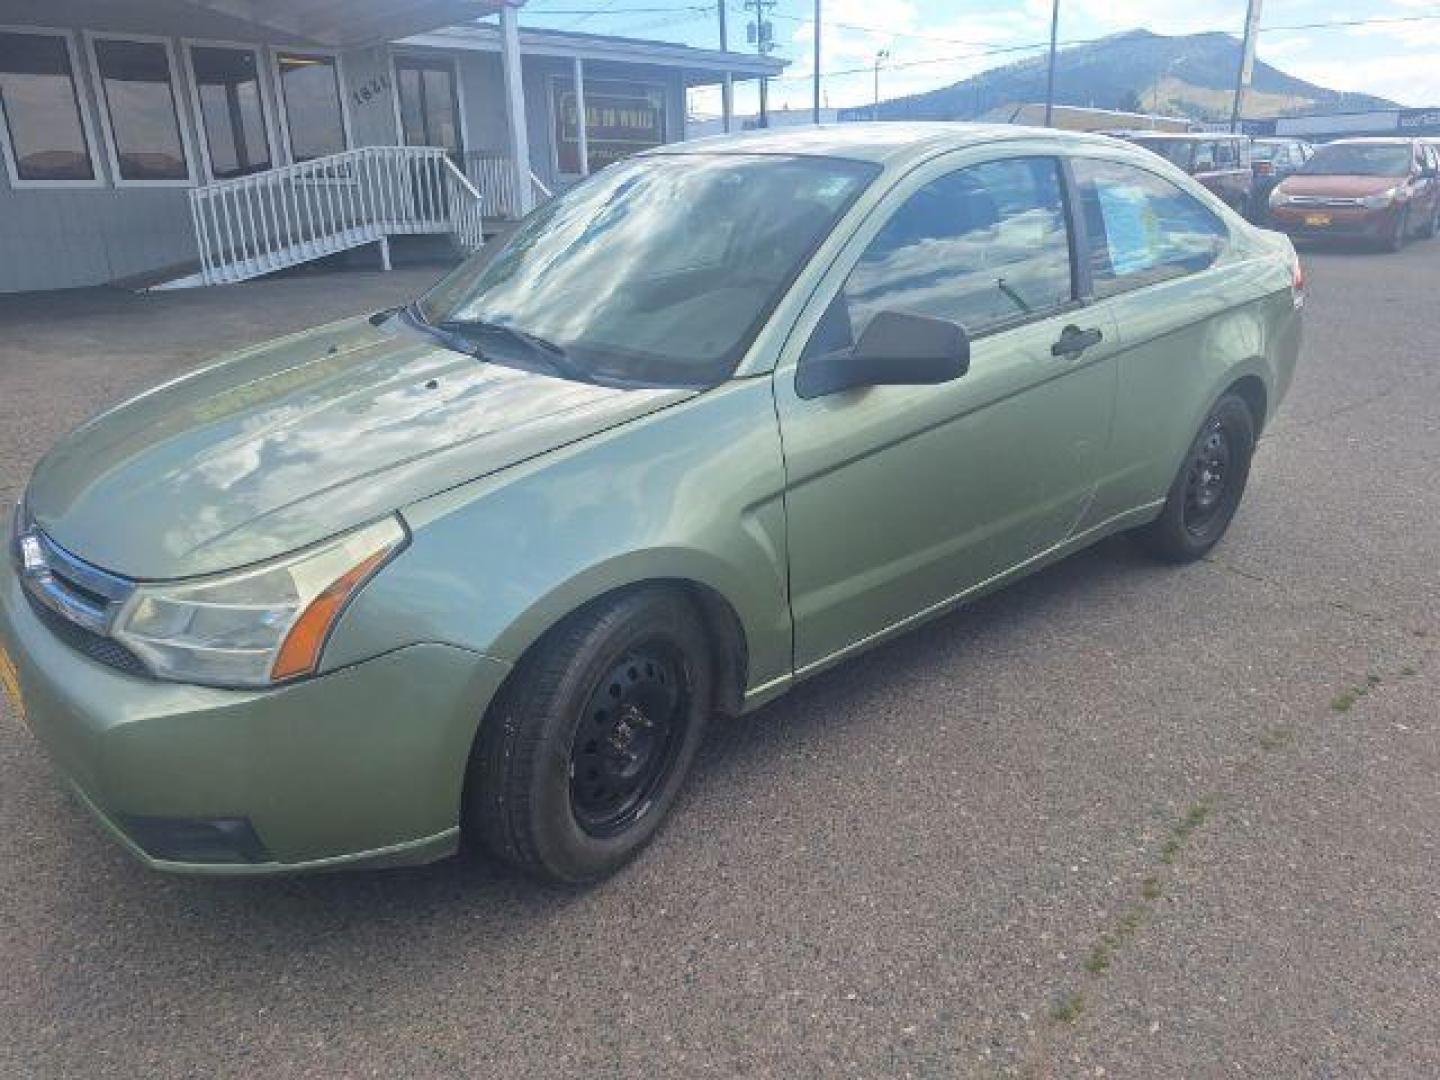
(361, 767)
(1344, 222)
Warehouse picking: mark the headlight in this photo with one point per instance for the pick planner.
(258, 626)
(1380, 201)
(1278, 197)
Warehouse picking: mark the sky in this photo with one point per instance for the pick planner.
(933, 43)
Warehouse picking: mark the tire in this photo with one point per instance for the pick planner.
(1203, 498)
(619, 695)
(1396, 240)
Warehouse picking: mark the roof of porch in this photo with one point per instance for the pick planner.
(702, 67)
(336, 23)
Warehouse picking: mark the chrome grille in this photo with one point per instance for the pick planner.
(1324, 200)
(76, 601)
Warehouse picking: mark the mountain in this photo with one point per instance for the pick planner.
(1191, 75)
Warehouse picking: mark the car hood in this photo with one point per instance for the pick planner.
(1341, 187)
(285, 444)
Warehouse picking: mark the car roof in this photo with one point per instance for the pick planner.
(1180, 136)
(879, 142)
(1376, 140)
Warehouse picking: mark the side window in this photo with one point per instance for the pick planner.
(1225, 155)
(982, 246)
(1141, 228)
(1204, 157)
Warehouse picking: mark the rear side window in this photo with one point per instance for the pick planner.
(1141, 228)
(982, 246)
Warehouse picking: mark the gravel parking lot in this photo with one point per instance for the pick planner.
(1122, 820)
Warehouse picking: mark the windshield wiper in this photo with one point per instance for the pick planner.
(452, 340)
(550, 354)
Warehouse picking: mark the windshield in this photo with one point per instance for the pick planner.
(657, 270)
(1358, 159)
(1175, 151)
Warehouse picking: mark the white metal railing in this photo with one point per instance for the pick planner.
(494, 174)
(282, 217)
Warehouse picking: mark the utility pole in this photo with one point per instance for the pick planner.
(1050, 72)
(1247, 62)
(816, 107)
(762, 36)
(727, 104)
(881, 55)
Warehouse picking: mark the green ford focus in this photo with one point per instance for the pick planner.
(709, 423)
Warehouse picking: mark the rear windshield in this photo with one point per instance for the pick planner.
(1359, 159)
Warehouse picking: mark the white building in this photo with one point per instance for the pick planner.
(157, 140)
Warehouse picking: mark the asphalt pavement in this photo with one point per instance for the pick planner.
(1121, 819)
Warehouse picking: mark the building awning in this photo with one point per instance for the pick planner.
(346, 23)
(701, 67)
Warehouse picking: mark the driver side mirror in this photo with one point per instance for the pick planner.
(898, 348)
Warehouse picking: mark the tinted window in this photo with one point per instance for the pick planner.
(1142, 228)
(982, 247)
(1227, 155)
(1361, 159)
(657, 269)
(40, 109)
(1270, 151)
(135, 80)
(228, 84)
(310, 88)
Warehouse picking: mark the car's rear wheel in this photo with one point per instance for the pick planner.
(584, 751)
(1207, 490)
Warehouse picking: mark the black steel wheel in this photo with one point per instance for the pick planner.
(1207, 475)
(585, 749)
(1207, 489)
(627, 739)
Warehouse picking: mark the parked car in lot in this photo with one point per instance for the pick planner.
(1384, 190)
(711, 422)
(1220, 162)
(1272, 160)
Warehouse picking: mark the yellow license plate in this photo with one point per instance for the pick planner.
(10, 684)
(1317, 219)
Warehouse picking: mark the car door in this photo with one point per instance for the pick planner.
(901, 498)
(1157, 256)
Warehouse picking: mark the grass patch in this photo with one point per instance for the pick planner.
(1099, 959)
(1150, 889)
(1068, 1009)
(1276, 737)
(1344, 702)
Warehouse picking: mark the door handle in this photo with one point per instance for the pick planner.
(1073, 341)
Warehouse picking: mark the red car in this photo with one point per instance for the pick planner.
(1385, 190)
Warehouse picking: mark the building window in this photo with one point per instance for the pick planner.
(314, 116)
(231, 109)
(621, 118)
(429, 103)
(44, 128)
(137, 90)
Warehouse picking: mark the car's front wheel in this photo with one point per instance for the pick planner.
(583, 753)
(1207, 490)
(1397, 239)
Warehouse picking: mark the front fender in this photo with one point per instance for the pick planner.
(694, 493)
